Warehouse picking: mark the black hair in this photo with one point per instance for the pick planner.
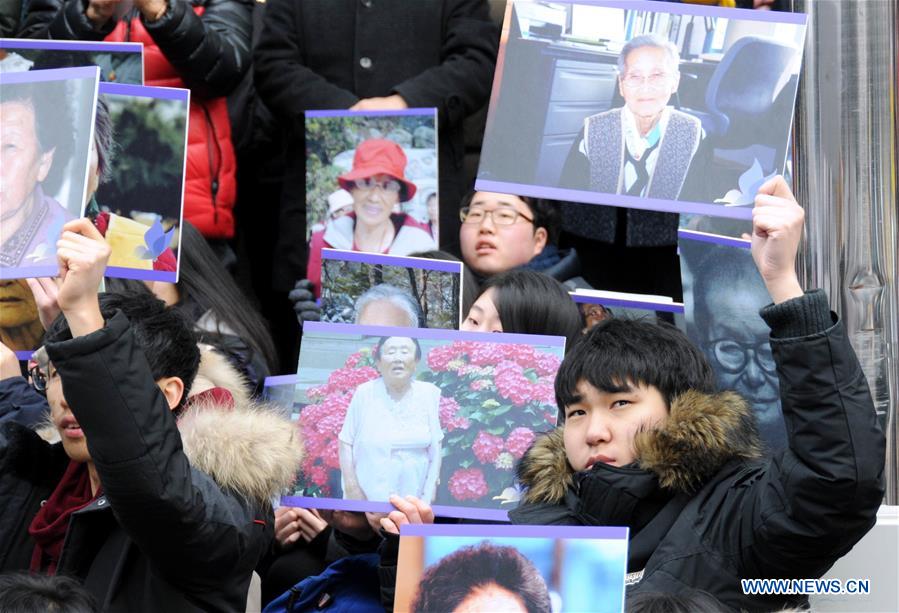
(376, 354)
(446, 584)
(530, 302)
(53, 122)
(165, 335)
(619, 352)
(204, 284)
(471, 289)
(104, 139)
(691, 601)
(718, 268)
(546, 213)
(29, 593)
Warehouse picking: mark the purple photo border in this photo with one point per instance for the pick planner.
(24, 272)
(397, 113)
(140, 274)
(66, 45)
(279, 380)
(715, 239)
(533, 340)
(667, 307)
(52, 74)
(612, 533)
(339, 504)
(700, 10)
(398, 261)
(25, 355)
(623, 200)
(144, 91)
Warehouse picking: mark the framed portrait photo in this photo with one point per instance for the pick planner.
(442, 415)
(667, 107)
(533, 569)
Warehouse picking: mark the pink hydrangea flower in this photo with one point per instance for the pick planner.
(468, 484)
(487, 447)
(519, 441)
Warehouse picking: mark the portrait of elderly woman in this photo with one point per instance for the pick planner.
(378, 185)
(36, 137)
(483, 577)
(20, 325)
(391, 438)
(645, 147)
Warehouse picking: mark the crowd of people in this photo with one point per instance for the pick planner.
(140, 464)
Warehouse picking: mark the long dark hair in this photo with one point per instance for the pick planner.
(530, 302)
(205, 285)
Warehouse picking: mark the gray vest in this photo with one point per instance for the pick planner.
(605, 142)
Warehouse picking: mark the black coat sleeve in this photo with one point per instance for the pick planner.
(284, 82)
(20, 403)
(461, 83)
(821, 496)
(194, 533)
(210, 52)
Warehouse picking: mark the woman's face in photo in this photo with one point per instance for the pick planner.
(21, 160)
(17, 307)
(396, 360)
(373, 205)
(648, 82)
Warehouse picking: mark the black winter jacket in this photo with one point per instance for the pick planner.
(327, 54)
(185, 511)
(211, 53)
(704, 508)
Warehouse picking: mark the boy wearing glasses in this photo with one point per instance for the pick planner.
(501, 232)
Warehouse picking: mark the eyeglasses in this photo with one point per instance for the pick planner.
(39, 379)
(390, 185)
(501, 216)
(734, 356)
(655, 81)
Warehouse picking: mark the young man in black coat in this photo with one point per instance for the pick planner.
(149, 514)
(646, 442)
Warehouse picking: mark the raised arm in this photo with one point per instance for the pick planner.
(821, 496)
(182, 521)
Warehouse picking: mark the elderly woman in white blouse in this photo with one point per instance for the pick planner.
(390, 440)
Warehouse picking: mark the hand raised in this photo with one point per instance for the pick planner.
(100, 11)
(82, 254)
(777, 221)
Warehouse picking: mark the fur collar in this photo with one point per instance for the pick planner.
(702, 433)
(252, 449)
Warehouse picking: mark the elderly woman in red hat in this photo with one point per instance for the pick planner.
(378, 184)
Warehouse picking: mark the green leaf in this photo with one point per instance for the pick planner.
(490, 403)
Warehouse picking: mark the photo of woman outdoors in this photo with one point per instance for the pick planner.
(442, 415)
(390, 440)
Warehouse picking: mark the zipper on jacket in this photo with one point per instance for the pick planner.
(215, 161)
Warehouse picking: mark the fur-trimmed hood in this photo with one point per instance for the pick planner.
(250, 448)
(701, 434)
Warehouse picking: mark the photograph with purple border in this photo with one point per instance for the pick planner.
(442, 415)
(546, 569)
(371, 183)
(390, 290)
(46, 125)
(648, 105)
(597, 306)
(118, 62)
(723, 293)
(135, 193)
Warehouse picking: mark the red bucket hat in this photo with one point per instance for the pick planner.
(379, 156)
